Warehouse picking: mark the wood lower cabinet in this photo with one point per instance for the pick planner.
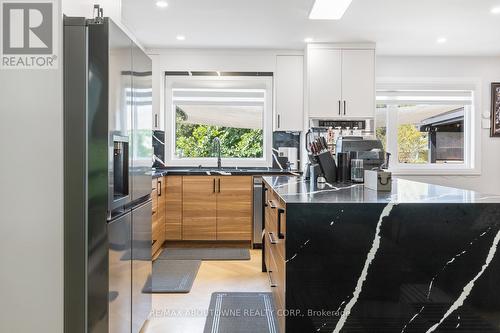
(216, 208)
(173, 201)
(275, 251)
(199, 208)
(158, 213)
(234, 208)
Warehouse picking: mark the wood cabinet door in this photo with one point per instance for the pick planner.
(173, 201)
(199, 208)
(358, 83)
(162, 206)
(234, 208)
(324, 72)
(158, 214)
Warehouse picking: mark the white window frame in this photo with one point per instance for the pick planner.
(472, 121)
(173, 160)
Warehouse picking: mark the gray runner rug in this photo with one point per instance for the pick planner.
(204, 254)
(241, 313)
(172, 276)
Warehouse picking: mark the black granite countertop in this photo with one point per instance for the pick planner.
(188, 171)
(293, 189)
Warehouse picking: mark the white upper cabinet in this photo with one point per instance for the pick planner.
(341, 81)
(157, 94)
(358, 83)
(289, 93)
(324, 71)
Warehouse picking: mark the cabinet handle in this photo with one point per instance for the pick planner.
(280, 212)
(271, 238)
(345, 107)
(214, 186)
(272, 204)
(340, 107)
(219, 184)
(265, 195)
(279, 121)
(156, 120)
(160, 190)
(271, 282)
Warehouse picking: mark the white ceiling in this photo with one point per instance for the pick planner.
(399, 27)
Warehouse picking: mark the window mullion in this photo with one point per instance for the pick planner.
(392, 133)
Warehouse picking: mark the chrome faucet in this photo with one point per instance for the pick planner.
(216, 142)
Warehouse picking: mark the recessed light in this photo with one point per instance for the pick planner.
(328, 9)
(161, 4)
(308, 40)
(441, 40)
(180, 37)
(495, 10)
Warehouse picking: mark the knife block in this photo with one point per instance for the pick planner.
(328, 166)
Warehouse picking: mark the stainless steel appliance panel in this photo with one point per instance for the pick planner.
(257, 211)
(120, 274)
(118, 68)
(97, 163)
(142, 119)
(141, 264)
(75, 174)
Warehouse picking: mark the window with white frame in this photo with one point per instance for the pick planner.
(237, 110)
(427, 129)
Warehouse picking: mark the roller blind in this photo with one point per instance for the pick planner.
(438, 97)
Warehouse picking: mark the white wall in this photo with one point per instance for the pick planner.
(487, 70)
(111, 8)
(205, 60)
(31, 201)
(219, 59)
(237, 60)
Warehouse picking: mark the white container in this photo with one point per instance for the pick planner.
(378, 180)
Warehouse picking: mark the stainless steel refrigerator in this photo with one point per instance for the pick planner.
(107, 172)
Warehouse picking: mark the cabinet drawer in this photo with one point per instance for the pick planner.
(270, 216)
(276, 225)
(158, 236)
(276, 275)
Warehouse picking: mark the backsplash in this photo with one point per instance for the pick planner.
(285, 139)
(280, 139)
(158, 148)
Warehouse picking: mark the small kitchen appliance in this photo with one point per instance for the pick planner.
(291, 153)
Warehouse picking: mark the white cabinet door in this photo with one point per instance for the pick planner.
(289, 82)
(325, 82)
(358, 83)
(157, 94)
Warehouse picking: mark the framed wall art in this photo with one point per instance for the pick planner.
(495, 109)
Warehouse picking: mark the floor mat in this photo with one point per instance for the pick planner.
(204, 254)
(242, 313)
(172, 276)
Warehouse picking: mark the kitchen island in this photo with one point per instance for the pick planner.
(342, 258)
